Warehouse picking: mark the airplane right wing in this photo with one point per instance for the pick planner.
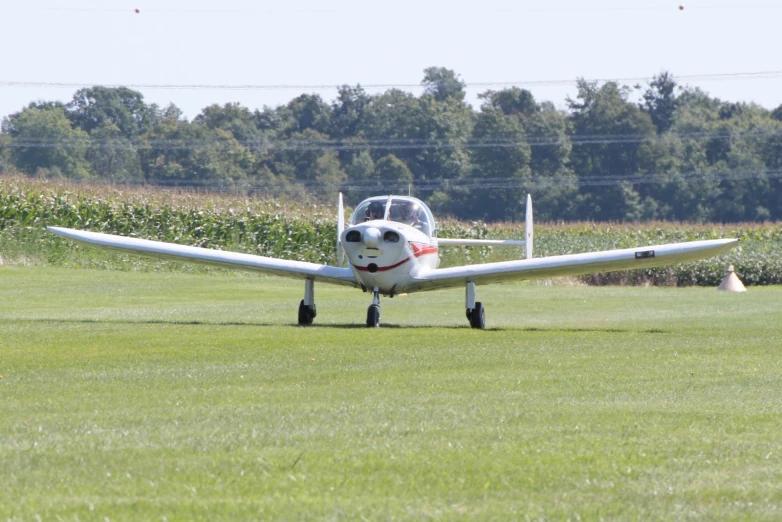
(480, 242)
(221, 258)
(572, 264)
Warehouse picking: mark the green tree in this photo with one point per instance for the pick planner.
(310, 164)
(5, 152)
(612, 140)
(500, 168)
(660, 101)
(93, 107)
(747, 193)
(427, 135)
(771, 150)
(112, 156)
(328, 175)
(547, 131)
(691, 184)
(360, 171)
(180, 153)
(392, 174)
(512, 101)
(390, 124)
(307, 111)
(234, 118)
(443, 84)
(43, 139)
(9, 122)
(348, 111)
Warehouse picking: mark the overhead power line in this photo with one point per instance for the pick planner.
(419, 9)
(756, 75)
(380, 144)
(466, 184)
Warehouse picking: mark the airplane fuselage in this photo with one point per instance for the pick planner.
(389, 255)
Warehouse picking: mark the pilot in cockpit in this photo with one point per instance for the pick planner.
(374, 211)
(412, 216)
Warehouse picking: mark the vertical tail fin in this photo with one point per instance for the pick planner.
(340, 228)
(528, 227)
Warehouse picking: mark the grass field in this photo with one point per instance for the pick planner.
(166, 396)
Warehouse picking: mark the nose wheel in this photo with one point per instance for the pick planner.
(373, 312)
(373, 316)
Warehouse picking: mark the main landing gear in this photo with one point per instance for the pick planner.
(373, 312)
(307, 310)
(475, 312)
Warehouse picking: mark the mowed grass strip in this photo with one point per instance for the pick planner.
(148, 395)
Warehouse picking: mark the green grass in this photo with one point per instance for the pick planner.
(144, 396)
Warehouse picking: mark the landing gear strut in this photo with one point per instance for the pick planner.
(307, 310)
(475, 312)
(373, 312)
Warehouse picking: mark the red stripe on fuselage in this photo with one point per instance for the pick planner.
(383, 268)
(423, 249)
(419, 249)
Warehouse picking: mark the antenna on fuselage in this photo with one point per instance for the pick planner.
(340, 228)
(528, 227)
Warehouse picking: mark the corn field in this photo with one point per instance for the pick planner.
(307, 232)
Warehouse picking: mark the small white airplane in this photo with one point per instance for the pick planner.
(392, 248)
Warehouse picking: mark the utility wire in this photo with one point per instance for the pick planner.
(307, 145)
(756, 75)
(471, 184)
(485, 9)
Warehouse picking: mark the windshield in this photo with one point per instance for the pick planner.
(407, 210)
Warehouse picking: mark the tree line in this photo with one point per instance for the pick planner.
(675, 153)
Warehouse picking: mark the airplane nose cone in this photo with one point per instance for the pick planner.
(372, 237)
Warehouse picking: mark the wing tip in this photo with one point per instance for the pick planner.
(60, 231)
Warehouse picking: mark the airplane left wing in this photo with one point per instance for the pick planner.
(233, 260)
(572, 264)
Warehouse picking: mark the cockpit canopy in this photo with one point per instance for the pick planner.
(402, 209)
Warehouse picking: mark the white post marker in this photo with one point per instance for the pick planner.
(732, 283)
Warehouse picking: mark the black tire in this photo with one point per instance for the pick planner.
(373, 316)
(306, 314)
(478, 317)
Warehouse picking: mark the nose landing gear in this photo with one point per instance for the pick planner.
(373, 312)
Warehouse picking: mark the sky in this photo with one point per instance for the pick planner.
(195, 53)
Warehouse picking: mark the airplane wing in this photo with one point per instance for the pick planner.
(572, 264)
(233, 260)
(479, 242)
